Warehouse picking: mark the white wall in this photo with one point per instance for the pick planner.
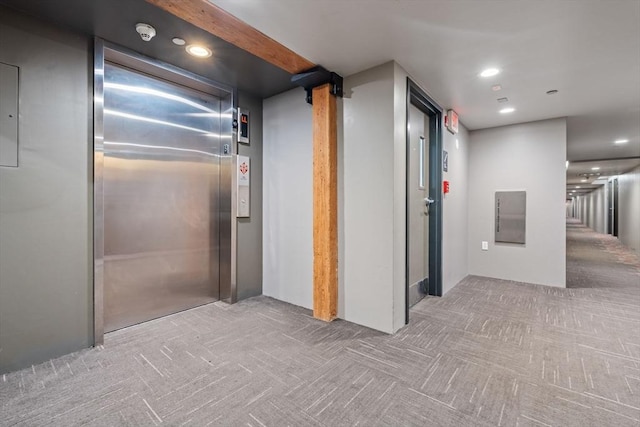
(287, 246)
(530, 157)
(629, 209)
(584, 209)
(368, 204)
(372, 135)
(380, 146)
(366, 208)
(399, 195)
(591, 209)
(455, 231)
(597, 208)
(371, 200)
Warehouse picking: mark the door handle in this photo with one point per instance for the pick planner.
(428, 201)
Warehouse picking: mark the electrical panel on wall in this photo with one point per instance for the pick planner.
(511, 217)
(243, 186)
(243, 126)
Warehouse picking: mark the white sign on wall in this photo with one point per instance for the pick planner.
(243, 171)
(243, 191)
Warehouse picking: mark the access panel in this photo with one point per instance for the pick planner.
(511, 217)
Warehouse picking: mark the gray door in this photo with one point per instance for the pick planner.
(417, 205)
(161, 197)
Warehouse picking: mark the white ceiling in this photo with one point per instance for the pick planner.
(589, 50)
(582, 176)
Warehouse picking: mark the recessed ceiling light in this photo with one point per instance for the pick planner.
(199, 51)
(583, 180)
(577, 186)
(621, 141)
(496, 88)
(595, 168)
(552, 92)
(489, 72)
(507, 110)
(178, 41)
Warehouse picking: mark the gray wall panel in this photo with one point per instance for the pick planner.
(288, 203)
(249, 275)
(45, 252)
(9, 115)
(509, 158)
(629, 209)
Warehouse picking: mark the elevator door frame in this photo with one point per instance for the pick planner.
(419, 99)
(106, 51)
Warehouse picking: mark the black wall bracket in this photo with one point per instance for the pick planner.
(317, 76)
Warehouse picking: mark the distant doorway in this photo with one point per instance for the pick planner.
(612, 207)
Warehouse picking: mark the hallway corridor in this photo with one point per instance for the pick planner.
(600, 261)
(489, 353)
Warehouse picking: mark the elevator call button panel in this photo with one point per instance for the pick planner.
(243, 126)
(243, 187)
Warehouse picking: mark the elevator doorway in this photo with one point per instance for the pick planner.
(423, 197)
(162, 192)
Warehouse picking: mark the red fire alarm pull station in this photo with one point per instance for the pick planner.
(445, 187)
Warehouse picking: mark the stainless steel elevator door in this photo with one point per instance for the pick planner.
(161, 197)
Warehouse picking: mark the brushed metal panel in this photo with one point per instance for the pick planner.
(161, 183)
(98, 194)
(511, 216)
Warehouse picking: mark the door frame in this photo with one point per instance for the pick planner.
(106, 51)
(615, 194)
(418, 98)
(609, 193)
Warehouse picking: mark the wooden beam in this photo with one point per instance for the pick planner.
(222, 24)
(325, 205)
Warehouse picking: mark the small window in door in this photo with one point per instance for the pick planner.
(421, 163)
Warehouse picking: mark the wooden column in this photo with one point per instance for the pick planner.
(325, 205)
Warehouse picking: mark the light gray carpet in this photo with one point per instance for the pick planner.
(491, 352)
